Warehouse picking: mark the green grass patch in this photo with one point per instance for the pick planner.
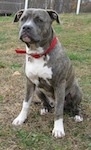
(2, 65)
(77, 56)
(6, 19)
(33, 140)
(1, 98)
(16, 66)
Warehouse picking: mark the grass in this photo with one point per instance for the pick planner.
(35, 134)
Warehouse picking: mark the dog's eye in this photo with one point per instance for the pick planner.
(38, 20)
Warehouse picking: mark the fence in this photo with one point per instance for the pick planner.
(66, 6)
(12, 6)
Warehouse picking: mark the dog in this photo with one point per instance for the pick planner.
(48, 69)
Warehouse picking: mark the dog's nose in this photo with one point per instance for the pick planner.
(27, 27)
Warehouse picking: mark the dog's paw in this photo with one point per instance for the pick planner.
(18, 121)
(43, 111)
(78, 118)
(58, 131)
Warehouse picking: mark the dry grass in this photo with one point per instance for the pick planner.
(35, 134)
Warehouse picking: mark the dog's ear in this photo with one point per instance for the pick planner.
(54, 15)
(18, 15)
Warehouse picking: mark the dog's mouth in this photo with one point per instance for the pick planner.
(25, 38)
(28, 39)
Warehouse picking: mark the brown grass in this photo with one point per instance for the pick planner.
(35, 134)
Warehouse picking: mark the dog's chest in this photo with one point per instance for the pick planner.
(37, 68)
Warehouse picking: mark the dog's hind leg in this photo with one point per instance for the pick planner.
(76, 97)
(26, 104)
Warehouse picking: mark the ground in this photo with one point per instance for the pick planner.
(35, 134)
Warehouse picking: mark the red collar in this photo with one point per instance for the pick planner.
(52, 45)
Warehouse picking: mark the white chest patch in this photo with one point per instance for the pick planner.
(37, 68)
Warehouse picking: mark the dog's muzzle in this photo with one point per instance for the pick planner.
(27, 35)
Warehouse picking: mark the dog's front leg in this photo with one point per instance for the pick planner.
(26, 103)
(58, 130)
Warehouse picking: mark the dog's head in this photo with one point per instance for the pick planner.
(35, 25)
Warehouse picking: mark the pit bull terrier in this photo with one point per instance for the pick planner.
(48, 69)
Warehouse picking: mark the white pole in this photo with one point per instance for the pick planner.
(26, 4)
(78, 7)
